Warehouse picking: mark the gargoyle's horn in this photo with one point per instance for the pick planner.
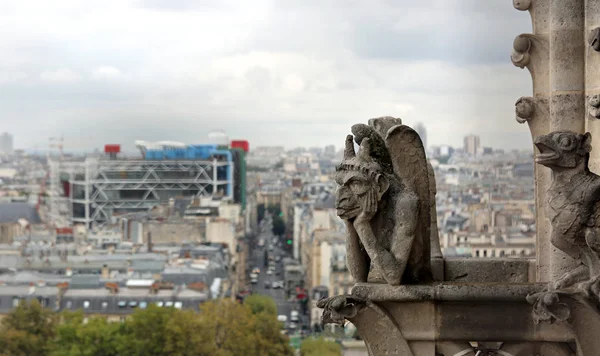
(365, 149)
(349, 150)
(377, 148)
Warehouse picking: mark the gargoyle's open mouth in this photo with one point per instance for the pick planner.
(546, 153)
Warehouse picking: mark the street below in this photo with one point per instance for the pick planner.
(268, 246)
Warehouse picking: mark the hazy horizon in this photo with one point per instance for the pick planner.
(291, 73)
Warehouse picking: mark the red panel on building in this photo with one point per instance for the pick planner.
(66, 187)
(243, 144)
(64, 231)
(112, 148)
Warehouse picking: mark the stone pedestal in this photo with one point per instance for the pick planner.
(448, 318)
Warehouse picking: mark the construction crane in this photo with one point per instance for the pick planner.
(57, 142)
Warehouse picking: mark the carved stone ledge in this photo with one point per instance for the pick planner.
(444, 317)
(524, 109)
(447, 292)
(594, 39)
(594, 106)
(491, 270)
(520, 56)
(522, 5)
(381, 333)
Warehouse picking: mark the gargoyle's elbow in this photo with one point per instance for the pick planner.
(393, 278)
(395, 282)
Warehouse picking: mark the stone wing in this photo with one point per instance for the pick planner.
(410, 164)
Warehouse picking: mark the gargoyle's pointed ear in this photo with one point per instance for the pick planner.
(586, 143)
(383, 184)
(364, 152)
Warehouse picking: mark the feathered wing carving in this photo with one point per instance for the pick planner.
(436, 250)
(410, 164)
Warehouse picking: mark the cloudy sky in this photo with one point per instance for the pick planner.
(275, 72)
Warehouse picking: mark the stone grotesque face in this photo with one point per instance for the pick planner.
(361, 182)
(562, 149)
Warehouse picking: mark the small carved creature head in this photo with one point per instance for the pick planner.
(362, 182)
(563, 149)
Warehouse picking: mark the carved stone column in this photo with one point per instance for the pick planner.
(565, 68)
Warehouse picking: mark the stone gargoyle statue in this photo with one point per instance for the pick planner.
(384, 199)
(573, 207)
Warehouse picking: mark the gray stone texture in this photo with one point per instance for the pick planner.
(544, 307)
(384, 197)
(564, 71)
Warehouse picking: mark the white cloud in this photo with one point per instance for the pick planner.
(12, 77)
(61, 75)
(106, 73)
(296, 72)
(293, 83)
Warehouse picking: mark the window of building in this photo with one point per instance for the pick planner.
(168, 304)
(513, 252)
(335, 291)
(476, 253)
(133, 304)
(122, 304)
(484, 253)
(522, 252)
(43, 301)
(104, 305)
(143, 305)
(502, 253)
(15, 302)
(159, 304)
(178, 305)
(86, 304)
(69, 304)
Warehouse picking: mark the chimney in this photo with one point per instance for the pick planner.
(154, 288)
(105, 272)
(149, 241)
(113, 287)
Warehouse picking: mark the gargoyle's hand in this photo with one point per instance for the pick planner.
(349, 225)
(369, 209)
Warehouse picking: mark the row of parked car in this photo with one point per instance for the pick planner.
(274, 284)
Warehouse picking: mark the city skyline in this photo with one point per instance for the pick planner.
(176, 70)
(52, 148)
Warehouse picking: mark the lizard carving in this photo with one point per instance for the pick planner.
(573, 207)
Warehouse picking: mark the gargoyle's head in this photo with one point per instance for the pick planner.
(562, 149)
(361, 179)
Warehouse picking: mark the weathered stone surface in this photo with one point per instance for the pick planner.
(384, 199)
(572, 202)
(594, 106)
(490, 270)
(372, 322)
(445, 317)
(454, 292)
(524, 109)
(573, 207)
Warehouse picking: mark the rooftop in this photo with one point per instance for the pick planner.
(12, 212)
